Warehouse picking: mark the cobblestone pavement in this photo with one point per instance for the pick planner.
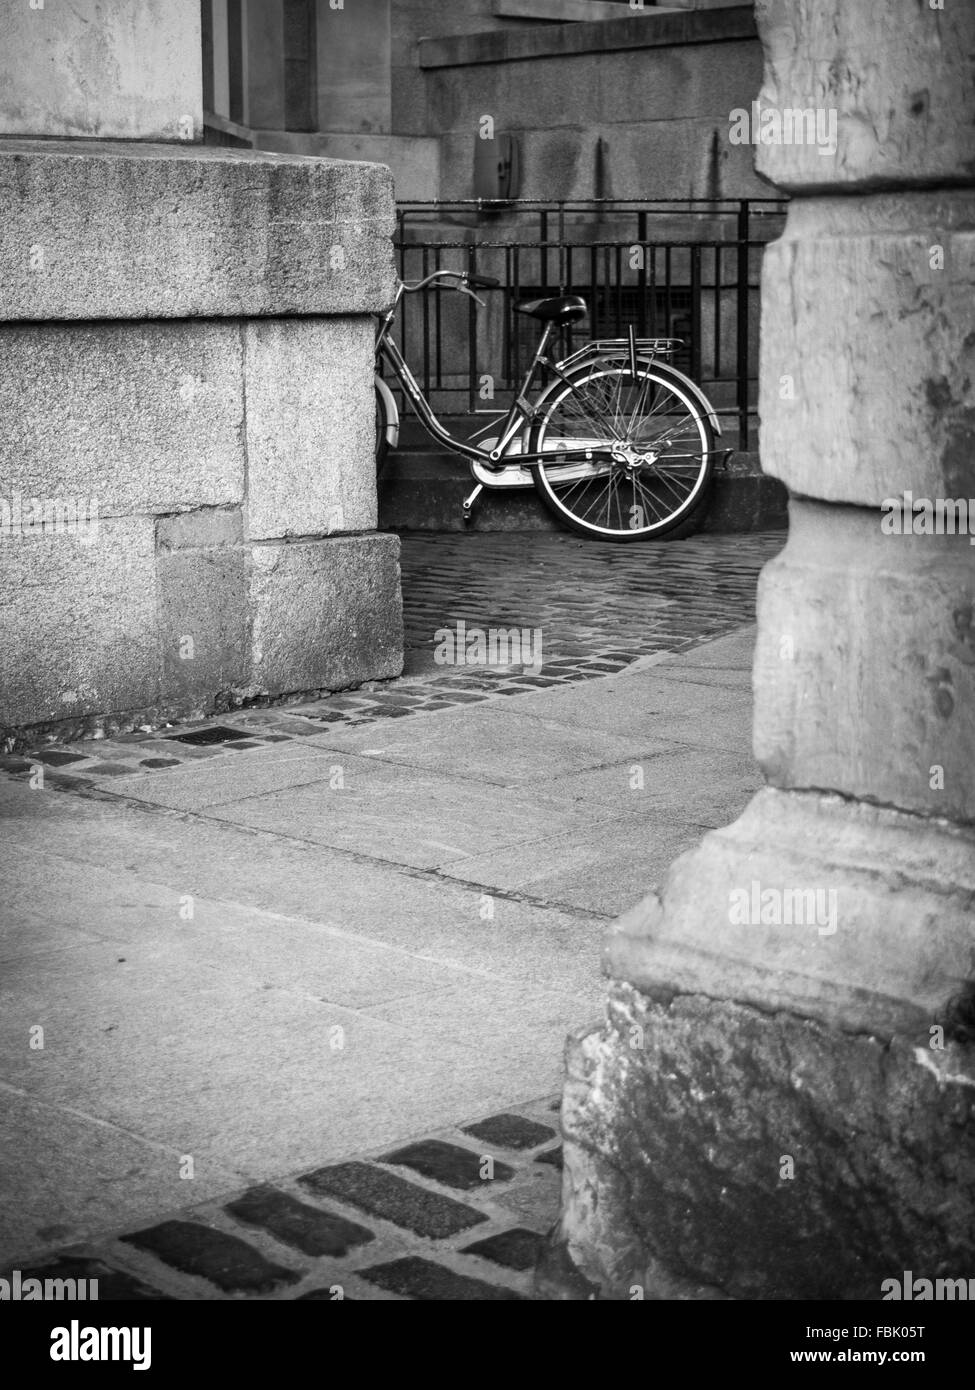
(596, 609)
(457, 1216)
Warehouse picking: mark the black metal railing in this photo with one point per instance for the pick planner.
(687, 269)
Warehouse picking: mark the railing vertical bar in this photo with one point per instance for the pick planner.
(642, 273)
(513, 319)
(696, 312)
(741, 302)
(668, 328)
(594, 284)
(619, 290)
(562, 279)
(506, 337)
(438, 322)
(654, 326)
(426, 322)
(543, 250)
(717, 310)
(473, 374)
(570, 330)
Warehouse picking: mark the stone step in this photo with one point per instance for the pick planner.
(423, 489)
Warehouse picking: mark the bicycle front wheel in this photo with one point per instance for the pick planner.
(642, 453)
(382, 432)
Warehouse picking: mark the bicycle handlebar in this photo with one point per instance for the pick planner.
(481, 281)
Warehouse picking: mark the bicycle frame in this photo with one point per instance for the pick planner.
(520, 414)
(504, 465)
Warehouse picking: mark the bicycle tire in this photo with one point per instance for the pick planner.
(617, 497)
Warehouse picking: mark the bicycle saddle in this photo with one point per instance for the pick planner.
(561, 309)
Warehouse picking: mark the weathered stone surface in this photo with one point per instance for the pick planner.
(866, 388)
(897, 74)
(112, 71)
(326, 613)
(891, 720)
(138, 417)
(598, 160)
(310, 427)
(78, 626)
(204, 529)
(867, 927)
(680, 1121)
(97, 230)
(204, 624)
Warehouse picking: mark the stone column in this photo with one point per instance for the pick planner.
(780, 1103)
(187, 484)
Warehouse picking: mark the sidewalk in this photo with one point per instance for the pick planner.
(358, 923)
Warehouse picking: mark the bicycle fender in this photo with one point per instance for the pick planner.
(392, 413)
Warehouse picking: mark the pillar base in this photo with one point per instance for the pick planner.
(713, 1151)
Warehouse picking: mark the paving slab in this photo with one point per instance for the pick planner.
(604, 868)
(492, 744)
(250, 962)
(199, 785)
(679, 784)
(439, 918)
(406, 815)
(66, 1174)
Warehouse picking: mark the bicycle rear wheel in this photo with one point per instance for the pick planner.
(650, 450)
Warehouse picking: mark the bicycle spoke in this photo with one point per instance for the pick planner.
(611, 412)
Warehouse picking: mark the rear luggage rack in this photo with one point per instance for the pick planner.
(656, 347)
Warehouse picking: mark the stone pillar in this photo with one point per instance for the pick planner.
(780, 1103)
(187, 485)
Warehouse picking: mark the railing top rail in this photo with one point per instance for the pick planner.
(674, 243)
(497, 204)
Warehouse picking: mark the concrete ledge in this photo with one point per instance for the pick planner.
(101, 230)
(413, 159)
(646, 30)
(557, 11)
(422, 490)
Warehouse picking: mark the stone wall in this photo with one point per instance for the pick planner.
(186, 388)
(635, 107)
(781, 1102)
(605, 101)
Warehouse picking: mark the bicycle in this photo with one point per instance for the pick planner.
(619, 445)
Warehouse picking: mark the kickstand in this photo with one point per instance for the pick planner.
(469, 503)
